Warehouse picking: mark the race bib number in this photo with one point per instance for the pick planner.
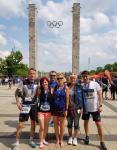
(45, 107)
(25, 110)
(28, 99)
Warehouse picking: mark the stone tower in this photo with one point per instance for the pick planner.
(76, 38)
(33, 36)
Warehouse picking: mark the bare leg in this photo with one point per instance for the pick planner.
(56, 127)
(46, 124)
(19, 129)
(41, 130)
(86, 127)
(100, 131)
(32, 132)
(62, 127)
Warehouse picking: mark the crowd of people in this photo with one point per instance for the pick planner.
(9, 81)
(55, 99)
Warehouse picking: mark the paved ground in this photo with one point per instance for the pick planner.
(9, 120)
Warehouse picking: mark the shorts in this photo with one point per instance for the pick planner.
(105, 89)
(32, 114)
(44, 115)
(95, 115)
(75, 120)
(60, 113)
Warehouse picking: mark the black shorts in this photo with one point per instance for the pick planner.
(95, 115)
(32, 114)
(60, 113)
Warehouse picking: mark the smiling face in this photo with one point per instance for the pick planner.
(52, 76)
(72, 80)
(85, 78)
(32, 74)
(45, 84)
(60, 79)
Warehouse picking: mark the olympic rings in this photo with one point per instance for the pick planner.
(54, 24)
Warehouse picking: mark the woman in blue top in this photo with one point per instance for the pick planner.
(59, 107)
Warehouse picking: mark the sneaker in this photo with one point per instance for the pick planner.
(103, 146)
(70, 141)
(45, 142)
(41, 145)
(86, 141)
(75, 142)
(32, 144)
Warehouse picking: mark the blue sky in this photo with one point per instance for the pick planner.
(98, 32)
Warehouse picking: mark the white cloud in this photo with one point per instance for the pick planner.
(54, 56)
(3, 40)
(98, 24)
(11, 7)
(3, 53)
(86, 25)
(101, 20)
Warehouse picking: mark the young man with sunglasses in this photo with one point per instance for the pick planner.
(92, 106)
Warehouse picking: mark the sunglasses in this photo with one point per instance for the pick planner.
(53, 75)
(59, 78)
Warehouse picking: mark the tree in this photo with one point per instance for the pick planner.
(108, 67)
(12, 65)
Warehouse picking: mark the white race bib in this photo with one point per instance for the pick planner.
(28, 99)
(25, 109)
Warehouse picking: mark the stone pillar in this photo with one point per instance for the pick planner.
(76, 38)
(33, 48)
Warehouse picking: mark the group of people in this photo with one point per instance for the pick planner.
(57, 99)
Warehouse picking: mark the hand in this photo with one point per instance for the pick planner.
(19, 106)
(65, 113)
(100, 108)
(80, 111)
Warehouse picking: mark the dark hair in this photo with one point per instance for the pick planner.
(52, 72)
(85, 72)
(32, 69)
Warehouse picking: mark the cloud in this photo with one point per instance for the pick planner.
(54, 56)
(3, 40)
(98, 24)
(3, 53)
(11, 8)
(101, 20)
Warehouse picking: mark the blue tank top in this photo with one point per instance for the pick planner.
(59, 101)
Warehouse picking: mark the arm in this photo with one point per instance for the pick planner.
(67, 97)
(17, 99)
(99, 93)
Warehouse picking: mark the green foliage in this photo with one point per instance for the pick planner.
(92, 72)
(12, 65)
(110, 67)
